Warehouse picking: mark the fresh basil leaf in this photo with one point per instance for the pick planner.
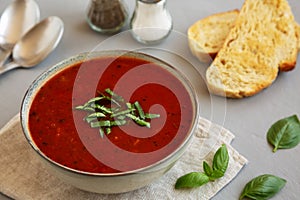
(207, 169)
(191, 180)
(215, 175)
(221, 160)
(218, 169)
(285, 133)
(263, 187)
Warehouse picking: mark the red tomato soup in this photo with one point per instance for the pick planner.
(59, 131)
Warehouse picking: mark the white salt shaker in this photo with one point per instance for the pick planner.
(151, 21)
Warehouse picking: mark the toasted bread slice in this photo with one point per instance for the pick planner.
(207, 36)
(262, 39)
(298, 35)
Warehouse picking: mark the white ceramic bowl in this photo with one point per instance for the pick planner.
(111, 182)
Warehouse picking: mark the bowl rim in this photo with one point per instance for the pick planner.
(86, 56)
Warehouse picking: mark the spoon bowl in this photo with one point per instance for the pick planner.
(36, 44)
(16, 20)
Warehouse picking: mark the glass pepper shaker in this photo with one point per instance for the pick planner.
(151, 21)
(106, 16)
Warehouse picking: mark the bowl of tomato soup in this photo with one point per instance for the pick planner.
(110, 121)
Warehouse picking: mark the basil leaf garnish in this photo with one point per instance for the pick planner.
(190, 180)
(263, 187)
(218, 169)
(104, 116)
(207, 169)
(216, 174)
(221, 160)
(285, 133)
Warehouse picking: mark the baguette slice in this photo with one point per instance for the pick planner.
(298, 35)
(207, 35)
(262, 39)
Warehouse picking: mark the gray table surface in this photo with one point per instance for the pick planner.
(249, 118)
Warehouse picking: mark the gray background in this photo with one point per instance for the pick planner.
(249, 118)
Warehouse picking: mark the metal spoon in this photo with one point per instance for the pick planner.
(36, 44)
(16, 20)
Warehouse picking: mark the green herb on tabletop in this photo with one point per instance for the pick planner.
(285, 133)
(263, 187)
(191, 180)
(104, 117)
(218, 169)
(220, 163)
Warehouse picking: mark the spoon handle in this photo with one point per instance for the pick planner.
(8, 66)
(4, 54)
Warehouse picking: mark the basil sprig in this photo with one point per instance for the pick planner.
(197, 179)
(285, 133)
(263, 187)
(116, 114)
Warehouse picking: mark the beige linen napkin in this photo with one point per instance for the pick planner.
(22, 176)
